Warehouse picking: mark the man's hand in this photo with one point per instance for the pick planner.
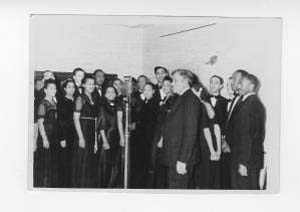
(181, 168)
(63, 143)
(214, 156)
(132, 126)
(243, 170)
(160, 143)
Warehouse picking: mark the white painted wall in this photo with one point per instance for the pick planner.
(62, 43)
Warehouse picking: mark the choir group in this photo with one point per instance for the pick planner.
(182, 135)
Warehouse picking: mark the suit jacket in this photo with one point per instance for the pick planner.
(157, 96)
(221, 112)
(181, 131)
(229, 121)
(77, 92)
(98, 98)
(248, 134)
(163, 109)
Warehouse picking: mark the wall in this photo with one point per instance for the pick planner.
(62, 43)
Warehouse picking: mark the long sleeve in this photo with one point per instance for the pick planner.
(246, 139)
(101, 120)
(190, 124)
(41, 111)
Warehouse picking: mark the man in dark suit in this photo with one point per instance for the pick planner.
(247, 137)
(234, 105)
(160, 73)
(219, 104)
(78, 75)
(98, 94)
(181, 132)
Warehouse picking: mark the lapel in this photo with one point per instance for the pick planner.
(231, 105)
(247, 102)
(176, 104)
(235, 109)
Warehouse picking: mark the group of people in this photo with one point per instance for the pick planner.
(182, 135)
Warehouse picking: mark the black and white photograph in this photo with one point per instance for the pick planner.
(154, 103)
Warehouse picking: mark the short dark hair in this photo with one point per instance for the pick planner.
(76, 70)
(98, 70)
(220, 78)
(143, 76)
(48, 82)
(117, 79)
(192, 78)
(242, 72)
(110, 86)
(161, 67)
(168, 78)
(49, 72)
(254, 80)
(87, 77)
(151, 84)
(67, 81)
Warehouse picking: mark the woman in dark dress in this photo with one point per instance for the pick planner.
(141, 149)
(65, 109)
(109, 142)
(85, 117)
(45, 156)
(208, 171)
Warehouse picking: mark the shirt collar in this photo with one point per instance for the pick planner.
(184, 91)
(162, 94)
(247, 95)
(78, 85)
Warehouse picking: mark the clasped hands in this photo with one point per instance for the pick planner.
(181, 168)
(242, 170)
(215, 155)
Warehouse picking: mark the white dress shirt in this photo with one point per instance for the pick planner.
(213, 100)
